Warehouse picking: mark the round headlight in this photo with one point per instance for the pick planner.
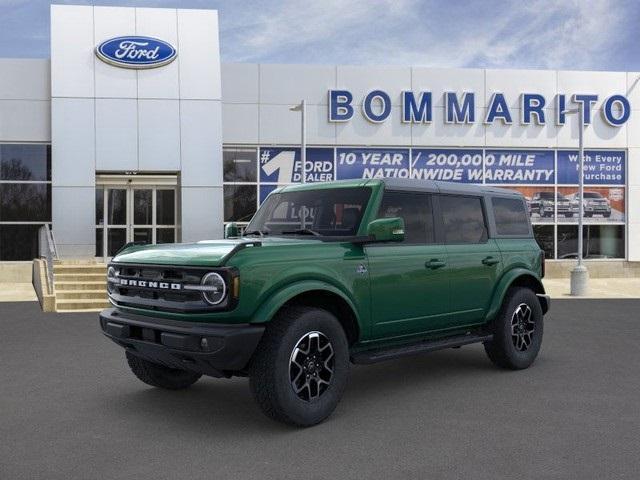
(213, 288)
(111, 275)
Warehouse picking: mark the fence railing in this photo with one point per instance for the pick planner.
(48, 250)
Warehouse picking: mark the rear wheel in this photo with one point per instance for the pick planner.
(300, 368)
(517, 330)
(160, 376)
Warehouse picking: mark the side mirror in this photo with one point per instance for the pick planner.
(231, 230)
(386, 230)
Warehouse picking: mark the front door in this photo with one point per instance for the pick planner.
(409, 280)
(134, 213)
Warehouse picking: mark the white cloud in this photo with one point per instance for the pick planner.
(532, 34)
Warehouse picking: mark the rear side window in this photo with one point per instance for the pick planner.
(511, 216)
(416, 211)
(463, 219)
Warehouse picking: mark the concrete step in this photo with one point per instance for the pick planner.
(98, 295)
(92, 285)
(79, 269)
(80, 304)
(78, 261)
(78, 277)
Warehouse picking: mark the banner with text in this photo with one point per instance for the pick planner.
(446, 165)
(601, 167)
(283, 165)
(372, 163)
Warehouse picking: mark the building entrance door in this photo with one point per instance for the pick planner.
(134, 211)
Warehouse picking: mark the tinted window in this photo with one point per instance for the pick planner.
(25, 162)
(463, 219)
(325, 211)
(25, 202)
(511, 216)
(415, 210)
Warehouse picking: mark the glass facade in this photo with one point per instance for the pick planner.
(547, 178)
(25, 198)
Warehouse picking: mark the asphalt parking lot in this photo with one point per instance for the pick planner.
(70, 409)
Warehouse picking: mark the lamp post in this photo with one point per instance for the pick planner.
(579, 273)
(301, 107)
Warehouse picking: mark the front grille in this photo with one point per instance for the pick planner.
(163, 288)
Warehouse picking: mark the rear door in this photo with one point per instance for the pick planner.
(475, 261)
(409, 280)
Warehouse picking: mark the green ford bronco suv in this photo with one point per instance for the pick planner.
(331, 274)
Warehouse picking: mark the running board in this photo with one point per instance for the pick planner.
(382, 354)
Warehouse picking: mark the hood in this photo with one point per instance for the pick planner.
(211, 253)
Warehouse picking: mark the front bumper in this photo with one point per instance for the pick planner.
(217, 350)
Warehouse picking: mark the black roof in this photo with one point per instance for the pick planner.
(447, 187)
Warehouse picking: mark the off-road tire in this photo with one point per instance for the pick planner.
(270, 369)
(159, 375)
(502, 349)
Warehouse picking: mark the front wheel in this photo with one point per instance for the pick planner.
(300, 368)
(160, 376)
(517, 330)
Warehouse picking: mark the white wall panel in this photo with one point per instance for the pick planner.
(25, 121)
(500, 135)
(633, 169)
(201, 213)
(599, 134)
(319, 130)
(633, 89)
(279, 125)
(116, 134)
(159, 135)
(73, 212)
(602, 84)
(240, 123)
(199, 54)
(201, 140)
(240, 82)
(514, 82)
(72, 57)
(440, 80)
(25, 79)
(360, 80)
(73, 142)
(633, 129)
(360, 131)
(289, 84)
(439, 133)
(111, 81)
(161, 82)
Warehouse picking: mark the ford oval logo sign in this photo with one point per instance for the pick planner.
(136, 52)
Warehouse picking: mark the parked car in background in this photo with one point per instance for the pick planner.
(543, 204)
(594, 203)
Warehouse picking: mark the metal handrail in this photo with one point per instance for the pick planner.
(49, 251)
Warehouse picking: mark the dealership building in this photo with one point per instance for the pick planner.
(106, 151)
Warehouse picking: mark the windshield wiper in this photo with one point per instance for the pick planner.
(261, 233)
(302, 231)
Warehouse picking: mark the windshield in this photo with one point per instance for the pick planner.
(321, 212)
(592, 195)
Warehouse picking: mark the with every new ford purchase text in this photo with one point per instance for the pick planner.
(325, 275)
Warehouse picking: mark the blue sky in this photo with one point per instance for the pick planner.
(562, 34)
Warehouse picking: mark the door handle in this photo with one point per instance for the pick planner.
(490, 261)
(434, 264)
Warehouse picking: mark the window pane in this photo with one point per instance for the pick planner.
(144, 235)
(25, 162)
(99, 206)
(116, 238)
(25, 202)
(511, 216)
(599, 241)
(239, 164)
(18, 242)
(143, 207)
(415, 210)
(166, 207)
(463, 219)
(165, 235)
(239, 202)
(117, 206)
(99, 242)
(545, 238)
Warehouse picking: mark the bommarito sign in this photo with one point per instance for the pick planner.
(417, 107)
